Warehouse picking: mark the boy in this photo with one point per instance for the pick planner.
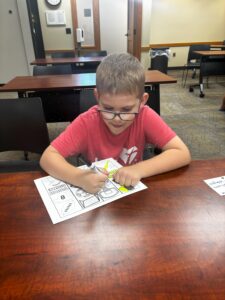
(118, 127)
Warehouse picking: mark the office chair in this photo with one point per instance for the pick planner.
(88, 67)
(87, 99)
(93, 53)
(59, 106)
(52, 70)
(193, 61)
(22, 128)
(63, 54)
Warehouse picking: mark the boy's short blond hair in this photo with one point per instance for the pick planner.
(120, 73)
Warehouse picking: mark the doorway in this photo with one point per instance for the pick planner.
(35, 26)
(134, 27)
(115, 25)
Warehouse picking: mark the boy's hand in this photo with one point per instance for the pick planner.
(92, 182)
(127, 176)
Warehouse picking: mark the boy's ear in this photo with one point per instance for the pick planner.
(144, 99)
(96, 94)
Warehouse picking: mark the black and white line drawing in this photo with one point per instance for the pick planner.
(64, 201)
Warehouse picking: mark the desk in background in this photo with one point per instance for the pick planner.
(78, 64)
(166, 242)
(24, 84)
(212, 64)
(221, 47)
(67, 60)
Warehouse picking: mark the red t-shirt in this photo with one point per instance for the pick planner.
(88, 135)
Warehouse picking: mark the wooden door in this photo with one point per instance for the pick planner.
(90, 23)
(134, 27)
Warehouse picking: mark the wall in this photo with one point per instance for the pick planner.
(113, 26)
(181, 21)
(55, 37)
(164, 21)
(146, 30)
(13, 61)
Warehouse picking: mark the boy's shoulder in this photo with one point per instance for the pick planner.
(147, 111)
(90, 113)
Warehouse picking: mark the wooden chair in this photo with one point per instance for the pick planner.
(52, 70)
(59, 106)
(88, 67)
(93, 53)
(22, 128)
(63, 54)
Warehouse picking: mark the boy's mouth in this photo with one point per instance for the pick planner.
(117, 125)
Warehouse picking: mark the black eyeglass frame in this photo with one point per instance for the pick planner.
(117, 114)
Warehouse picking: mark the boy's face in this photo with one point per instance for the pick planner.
(126, 104)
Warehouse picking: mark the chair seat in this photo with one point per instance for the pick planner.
(193, 65)
(19, 166)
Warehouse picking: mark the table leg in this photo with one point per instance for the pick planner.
(154, 97)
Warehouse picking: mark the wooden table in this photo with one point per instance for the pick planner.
(212, 63)
(23, 84)
(166, 242)
(67, 60)
(218, 46)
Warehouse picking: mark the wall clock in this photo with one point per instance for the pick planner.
(53, 2)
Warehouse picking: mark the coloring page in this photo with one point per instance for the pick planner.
(217, 184)
(64, 201)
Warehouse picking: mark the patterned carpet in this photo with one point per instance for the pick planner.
(196, 120)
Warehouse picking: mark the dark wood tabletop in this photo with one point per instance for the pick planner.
(165, 242)
(218, 46)
(67, 60)
(211, 52)
(60, 82)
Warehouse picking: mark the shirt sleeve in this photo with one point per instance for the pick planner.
(157, 131)
(72, 140)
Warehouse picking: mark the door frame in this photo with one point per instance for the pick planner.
(134, 27)
(96, 25)
(35, 28)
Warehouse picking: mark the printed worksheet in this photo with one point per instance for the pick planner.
(217, 184)
(64, 201)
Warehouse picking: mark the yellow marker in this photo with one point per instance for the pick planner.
(123, 189)
(111, 173)
(106, 165)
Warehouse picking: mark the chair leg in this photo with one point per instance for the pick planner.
(207, 82)
(26, 155)
(193, 74)
(182, 77)
(185, 78)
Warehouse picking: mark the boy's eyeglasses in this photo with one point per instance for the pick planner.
(110, 115)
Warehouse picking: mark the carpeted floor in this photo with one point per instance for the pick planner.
(196, 120)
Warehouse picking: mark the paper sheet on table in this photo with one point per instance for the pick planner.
(217, 184)
(64, 201)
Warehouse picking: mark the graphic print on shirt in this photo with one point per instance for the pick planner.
(128, 155)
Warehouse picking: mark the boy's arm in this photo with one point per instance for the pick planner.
(56, 165)
(175, 154)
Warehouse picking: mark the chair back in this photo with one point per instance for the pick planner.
(63, 55)
(58, 106)
(52, 70)
(192, 55)
(93, 53)
(22, 125)
(87, 99)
